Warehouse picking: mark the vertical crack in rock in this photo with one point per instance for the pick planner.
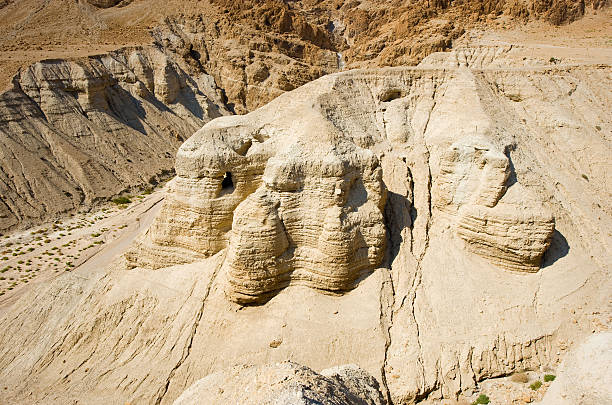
(387, 302)
(333, 151)
(187, 349)
(418, 272)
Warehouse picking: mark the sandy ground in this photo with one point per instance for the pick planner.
(86, 241)
(586, 41)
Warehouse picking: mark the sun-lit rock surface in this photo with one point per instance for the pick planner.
(76, 132)
(287, 384)
(266, 248)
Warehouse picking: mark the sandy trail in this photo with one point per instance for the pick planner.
(139, 220)
(84, 244)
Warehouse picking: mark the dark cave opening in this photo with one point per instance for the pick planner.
(227, 184)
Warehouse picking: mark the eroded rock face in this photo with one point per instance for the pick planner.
(104, 3)
(74, 132)
(256, 50)
(432, 319)
(316, 220)
(288, 210)
(297, 197)
(285, 383)
(509, 227)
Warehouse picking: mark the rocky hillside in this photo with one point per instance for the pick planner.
(74, 132)
(91, 120)
(437, 226)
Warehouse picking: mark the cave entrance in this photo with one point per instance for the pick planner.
(227, 185)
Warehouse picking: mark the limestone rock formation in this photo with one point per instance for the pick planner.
(74, 132)
(585, 376)
(240, 54)
(341, 212)
(285, 383)
(104, 3)
(505, 226)
(298, 211)
(256, 50)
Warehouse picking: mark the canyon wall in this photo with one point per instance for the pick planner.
(76, 132)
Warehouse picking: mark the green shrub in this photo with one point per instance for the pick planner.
(482, 399)
(549, 378)
(122, 200)
(536, 385)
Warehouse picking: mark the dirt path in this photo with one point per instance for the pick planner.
(85, 243)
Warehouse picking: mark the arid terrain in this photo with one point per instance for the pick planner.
(298, 202)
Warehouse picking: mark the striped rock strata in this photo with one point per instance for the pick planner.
(430, 323)
(508, 227)
(74, 132)
(289, 210)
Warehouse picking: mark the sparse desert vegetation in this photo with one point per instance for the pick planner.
(536, 385)
(482, 399)
(60, 246)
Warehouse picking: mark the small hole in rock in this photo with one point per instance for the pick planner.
(227, 182)
(391, 94)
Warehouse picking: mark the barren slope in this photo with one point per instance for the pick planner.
(501, 148)
(75, 132)
(122, 130)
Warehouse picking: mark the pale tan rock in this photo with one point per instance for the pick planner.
(77, 132)
(472, 172)
(431, 321)
(301, 214)
(513, 235)
(510, 228)
(287, 384)
(585, 376)
(316, 220)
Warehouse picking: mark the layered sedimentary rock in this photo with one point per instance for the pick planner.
(74, 132)
(285, 383)
(288, 210)
(509, 227)
(282, 188)
(316, 220)
(248, 52)
(256, 50)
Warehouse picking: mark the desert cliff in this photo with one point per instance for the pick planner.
(408, 220)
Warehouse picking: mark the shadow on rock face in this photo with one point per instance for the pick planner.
(399, 214)
(558, 248)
